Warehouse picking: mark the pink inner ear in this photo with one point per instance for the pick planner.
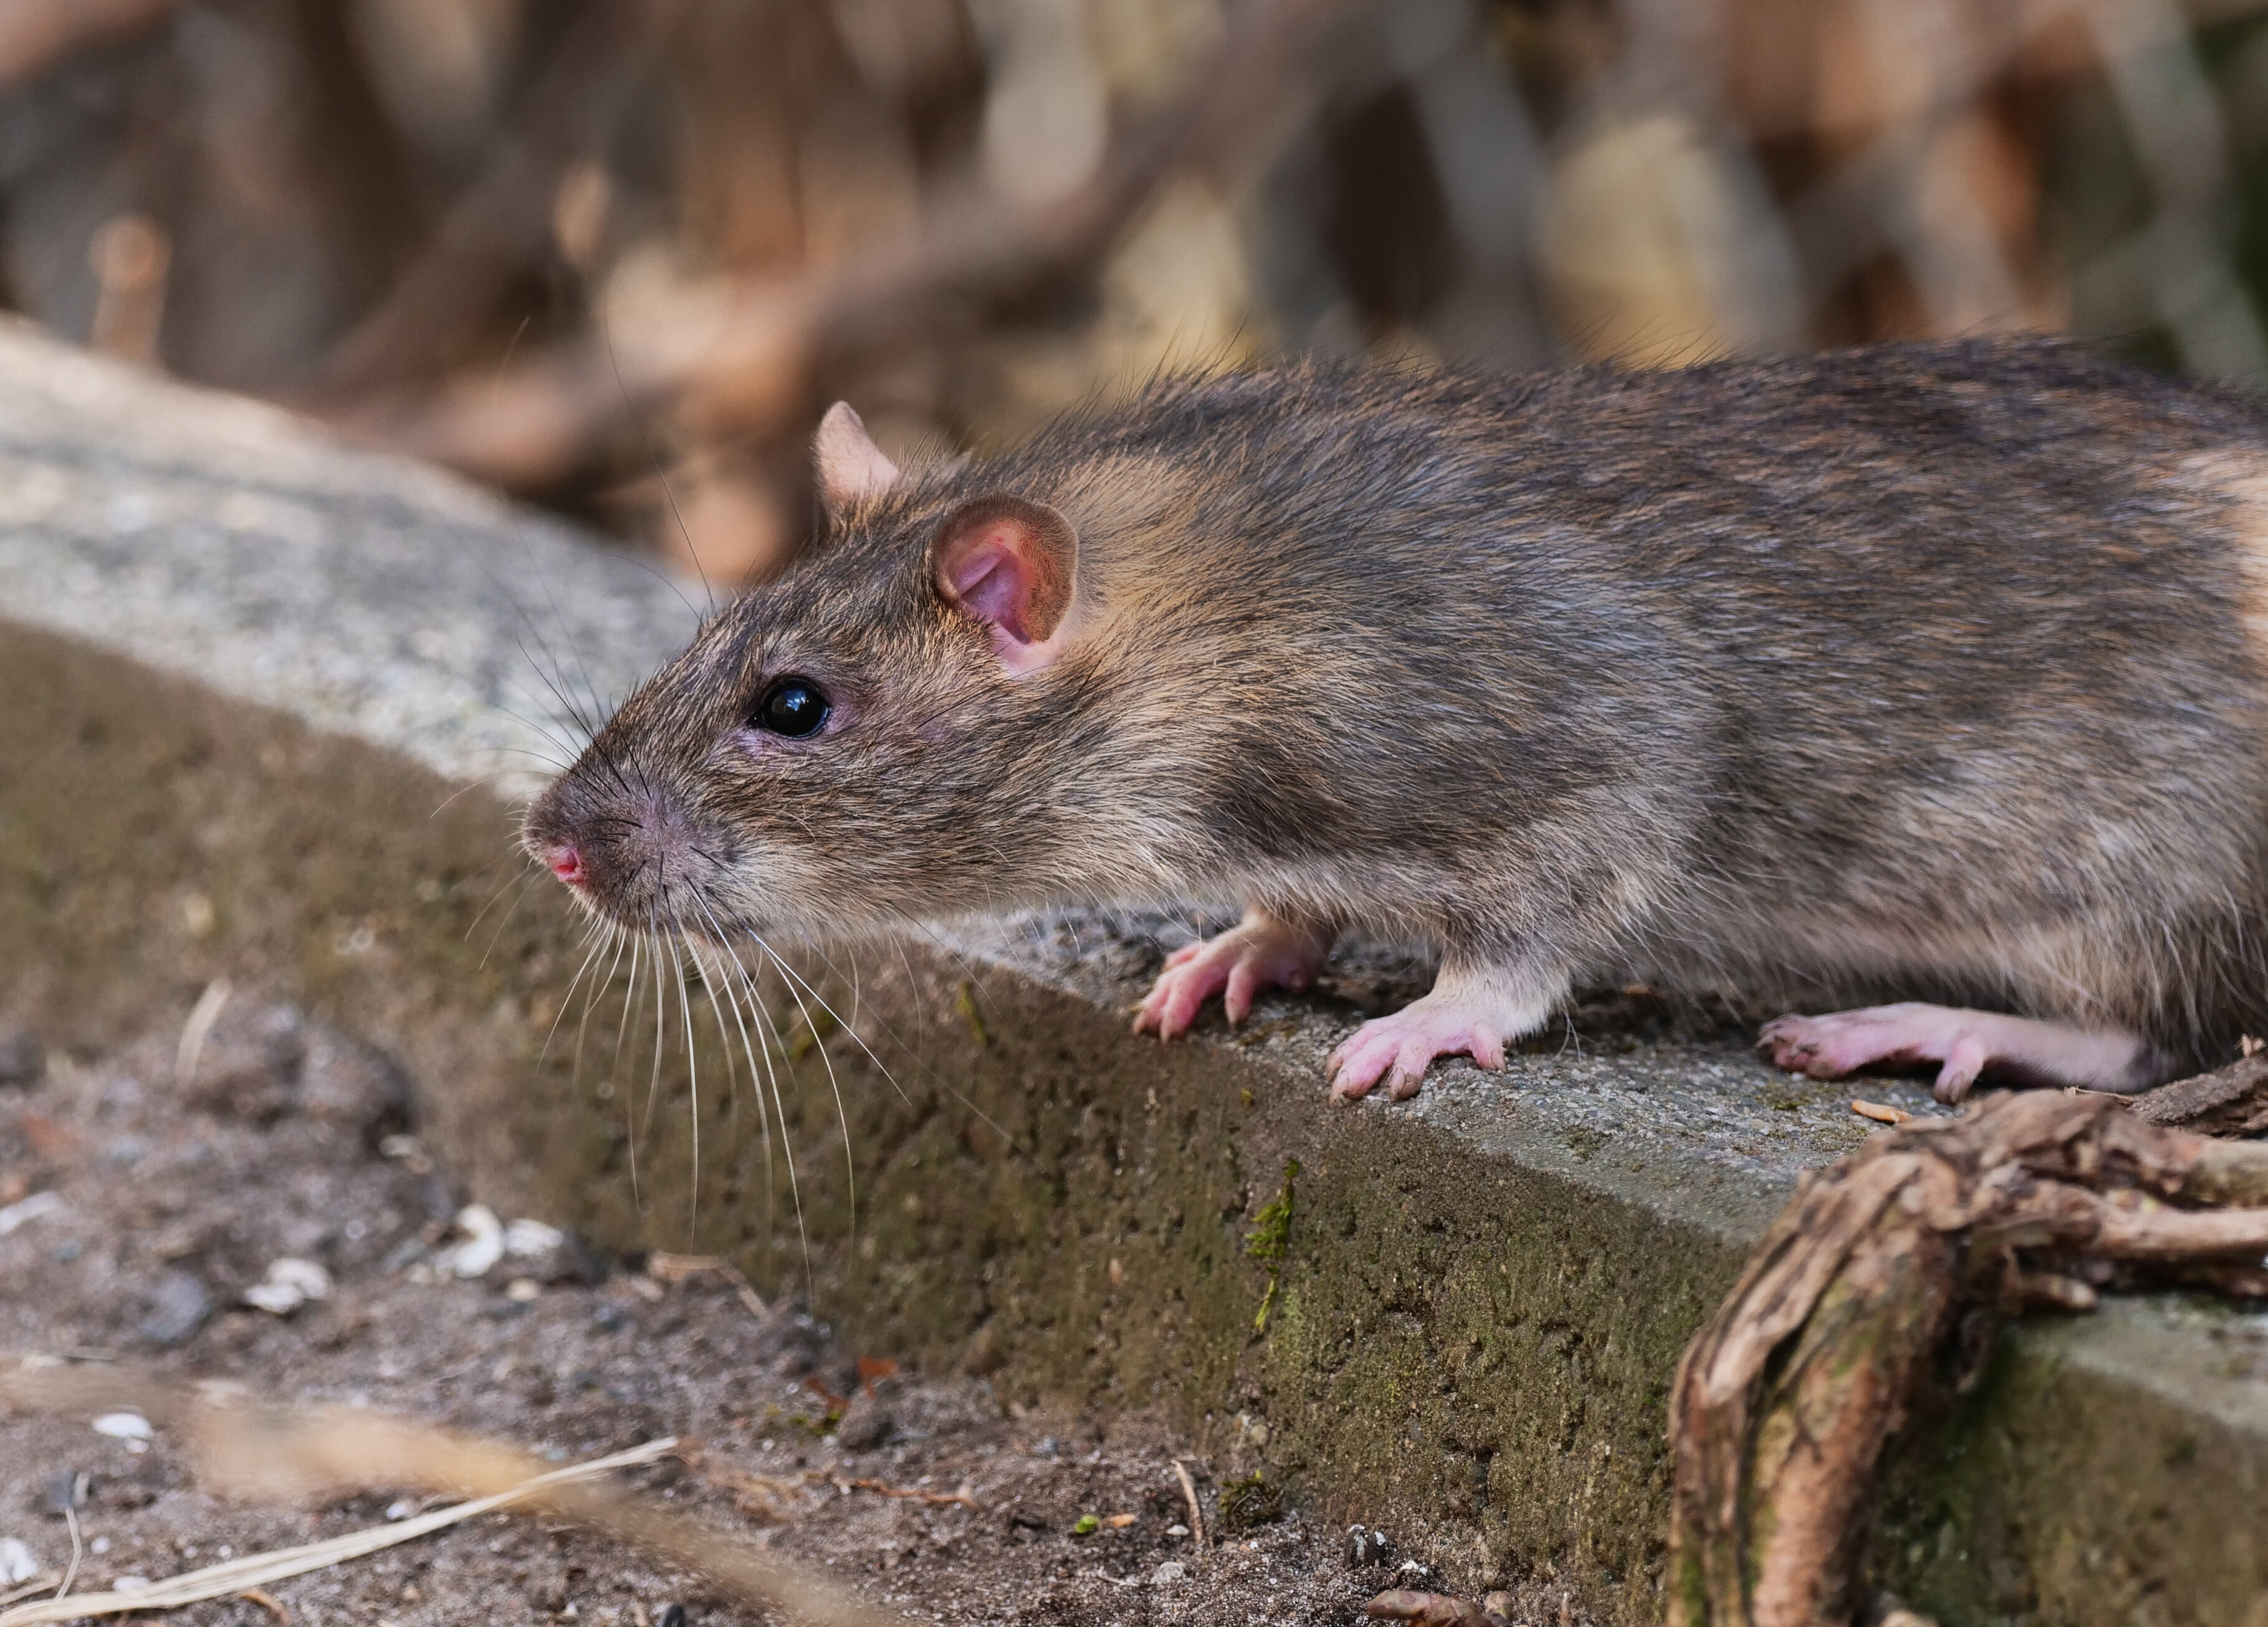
(1008, 563)
(991, 579)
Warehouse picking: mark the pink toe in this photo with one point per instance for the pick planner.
(1963, 1062)
(1356, 1066)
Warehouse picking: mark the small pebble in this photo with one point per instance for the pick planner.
(178, 1306)
(22, 1062)
(66, 1490)
(865, 1424)
(1171, 1571)
(123, 1426)
(1367, 1548)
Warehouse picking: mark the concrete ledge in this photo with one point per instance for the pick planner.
(254, 684)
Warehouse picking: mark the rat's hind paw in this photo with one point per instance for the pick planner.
(1438, 1024)
(1259, 951)
(1964, 1043)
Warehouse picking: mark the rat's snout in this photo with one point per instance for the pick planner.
(627, 846)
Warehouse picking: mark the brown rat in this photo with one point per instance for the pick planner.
(1933, 671)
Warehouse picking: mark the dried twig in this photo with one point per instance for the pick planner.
(765, 1495)
(2228, 1102)
(1784, 1401)
(677, 1267)
(1197, 1509)
(1440, 1609)
(962, 1498)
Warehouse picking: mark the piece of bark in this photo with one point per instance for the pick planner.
(2228, 1102)
(1783, 1402)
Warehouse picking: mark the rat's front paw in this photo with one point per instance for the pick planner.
(1258, 953)
(1400, 1048)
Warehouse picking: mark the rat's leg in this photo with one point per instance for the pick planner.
(1259, 951)
(1967, 1043)
(1471, 1009)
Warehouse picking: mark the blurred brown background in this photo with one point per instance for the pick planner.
(615, 255)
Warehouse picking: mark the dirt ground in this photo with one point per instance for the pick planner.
(134, 1214)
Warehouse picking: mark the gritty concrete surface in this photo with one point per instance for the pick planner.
(240, 746)
(218, 538)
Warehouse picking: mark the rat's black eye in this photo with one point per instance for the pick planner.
(793, 707)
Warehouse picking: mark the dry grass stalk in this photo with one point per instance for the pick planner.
(249, 1575)
(278, 1454)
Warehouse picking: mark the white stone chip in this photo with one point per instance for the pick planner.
(482, 1247)
(39, 1206)
(291, 1283)
(531, 1240)
(124, 1426)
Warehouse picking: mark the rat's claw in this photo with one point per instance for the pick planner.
(1400, 1048)
(1258, 953)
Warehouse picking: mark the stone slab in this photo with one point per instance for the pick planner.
(266, 702)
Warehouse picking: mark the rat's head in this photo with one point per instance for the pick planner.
(877, 737)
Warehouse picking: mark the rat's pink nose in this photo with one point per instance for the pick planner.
(566, 862)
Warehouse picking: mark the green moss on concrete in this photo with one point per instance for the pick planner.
(2055, 1489)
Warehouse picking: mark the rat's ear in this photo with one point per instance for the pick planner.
(850, 465)
(1010, 564)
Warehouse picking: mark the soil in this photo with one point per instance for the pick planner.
(292, 1141)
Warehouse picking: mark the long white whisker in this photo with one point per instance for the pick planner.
(621, 1034)
(842, 1114)
(934, 1076)
(779, 1105)
(614, 937)
(660, 1021)
(593, 945)
(503, 887)
(692, 1081)
(725, 952)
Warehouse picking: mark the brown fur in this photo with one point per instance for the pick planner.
(1914, 670)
